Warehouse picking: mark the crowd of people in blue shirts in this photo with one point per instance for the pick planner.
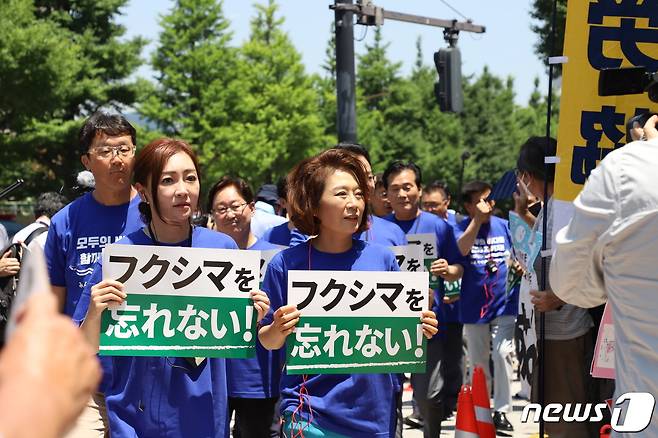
(330, 213)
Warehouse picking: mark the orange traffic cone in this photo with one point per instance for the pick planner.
(466, 426)
(486, 428)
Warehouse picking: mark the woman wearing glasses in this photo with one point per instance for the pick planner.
(253, 384)
(330, 203)
(156, 396)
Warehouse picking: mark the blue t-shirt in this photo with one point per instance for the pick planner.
(452, 218)
(383, 232)
(484, 296)
(452, 312)
(257, 377)
(446, 246)
(353, 405)
(164, 396)
(282, 235)
(76, 237)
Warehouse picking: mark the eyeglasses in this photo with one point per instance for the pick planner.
(108, 152)
(237, 209)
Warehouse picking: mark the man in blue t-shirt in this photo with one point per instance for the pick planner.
(436, 200)
(488, 307)
(79, 232)
(403, 186)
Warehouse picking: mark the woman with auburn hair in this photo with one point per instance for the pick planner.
(162, 396)
(253, 384)
(330, 202)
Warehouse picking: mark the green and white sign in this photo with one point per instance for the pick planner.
(427, 243)
(357, 322)
(452, 288)
(185, 302)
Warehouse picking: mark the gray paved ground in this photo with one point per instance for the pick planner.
(448, 426)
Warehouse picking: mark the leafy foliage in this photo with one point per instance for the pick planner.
(64, 60)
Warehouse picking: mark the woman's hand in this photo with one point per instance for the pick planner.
(430, 324)
(102, 295)
(286, 319)
(261, 303)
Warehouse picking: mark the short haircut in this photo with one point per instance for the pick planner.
(149, 165)
(532, 155)
(309, 177)
(398, 166)
(112, 125)
(48, 204)
(227, 181)
(438, 186)
(356, 149)
(473, 188)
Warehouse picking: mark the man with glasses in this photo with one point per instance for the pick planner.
(436, 200)
(79, 232)
(403, 186)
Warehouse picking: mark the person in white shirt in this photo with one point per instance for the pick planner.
(608, 253)
(46, 206)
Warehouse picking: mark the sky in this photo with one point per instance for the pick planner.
(507, 47)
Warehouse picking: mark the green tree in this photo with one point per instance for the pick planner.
(277, 122)
(491, 130)
(325, 86)
(195, 67)
(376, 74)
(441, 131)
(532, 118)
(66, 59)
(542, 12)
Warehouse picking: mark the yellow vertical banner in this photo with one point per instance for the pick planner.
(599, 34)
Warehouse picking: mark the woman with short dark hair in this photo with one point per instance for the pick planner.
(330, 203)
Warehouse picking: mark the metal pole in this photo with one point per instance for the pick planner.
(544, 282)
(345, 77)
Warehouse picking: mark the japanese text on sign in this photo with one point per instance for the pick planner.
(427, 243)
(357, 321)
(181, 301)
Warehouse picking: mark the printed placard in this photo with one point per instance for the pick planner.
(410, 258)
(603, 364)
(265, 257)
(427, 243)
(452, 288)
(599, 35)
(185, 302)
(357, 322)
(527, 244)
